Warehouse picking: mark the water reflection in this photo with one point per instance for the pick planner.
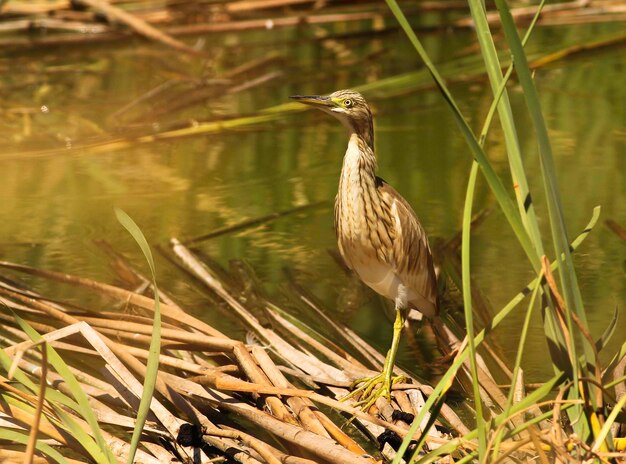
(54, 207)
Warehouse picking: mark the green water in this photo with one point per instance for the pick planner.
(54, 206)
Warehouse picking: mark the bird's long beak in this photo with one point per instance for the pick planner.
(319, 101)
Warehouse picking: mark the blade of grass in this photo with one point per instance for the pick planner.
(499, 89)
(496, 185)
(19, 437)
(493, 67)
(99, 450)
(567, 273)
(525, 403)
(499, 92)
(467, 307)
(516, 368)
(523, 195)
(34, 428)
(446, 381)
(152, 366)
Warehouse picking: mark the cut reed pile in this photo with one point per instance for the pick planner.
(72, 377)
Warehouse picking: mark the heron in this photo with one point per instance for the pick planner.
(378, 234)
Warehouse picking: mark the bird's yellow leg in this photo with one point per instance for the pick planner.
(369, 389)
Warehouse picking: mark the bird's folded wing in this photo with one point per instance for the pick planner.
(410, 254)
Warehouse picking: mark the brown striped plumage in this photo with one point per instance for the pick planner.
(378, 233)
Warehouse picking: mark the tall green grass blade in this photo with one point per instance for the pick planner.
(19, 437)
(467, 297)
(525, 403)
(608, 332)
(493, 67)
(523, 195)
(99, 450)
(446, 381)
(152, 367)
(571, 290)
(499, 90)
(496, 185)
(567, 274)
(516, 367)
(467, 307)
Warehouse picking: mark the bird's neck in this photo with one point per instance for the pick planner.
(359, 160)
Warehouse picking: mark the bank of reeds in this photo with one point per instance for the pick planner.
(73, 376)
(582, 421)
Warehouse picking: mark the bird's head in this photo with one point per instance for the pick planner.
(346, 105)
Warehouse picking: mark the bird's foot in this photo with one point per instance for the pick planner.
(369, 389)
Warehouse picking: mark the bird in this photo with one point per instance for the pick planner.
(379, 236)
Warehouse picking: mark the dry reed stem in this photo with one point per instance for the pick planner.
(247, 5)
(225, 382)
(308, 363)
(257, 445)
(282, 457)
(404, 402)
(172, 312)
(354, 370)
(312, 380)
(46, 427)
(256, 375)
(322, 447)
(8, 456)
(366, 351)
(34, 429)
(299, 406)
(49, 428)
(110, 351)
(195, 29)
(140, 26)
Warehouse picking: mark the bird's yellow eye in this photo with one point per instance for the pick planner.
(347, 103)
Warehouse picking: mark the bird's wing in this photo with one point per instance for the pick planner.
(410, 254)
